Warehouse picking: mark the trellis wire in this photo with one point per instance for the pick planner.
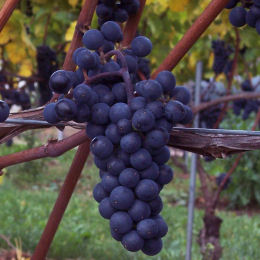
(193, 171)
(184, 129)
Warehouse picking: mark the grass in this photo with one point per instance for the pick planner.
(83, 234)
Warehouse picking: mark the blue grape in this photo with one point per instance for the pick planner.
(93, 39)
(140, 210)
(109, 182)
(83, 113)
(182, 94)
(113, 133)
(141, 159)
(152, 246)
(150, 90)
(129, 177)
(101, 163)
(125, 157)
(156, 206)
(167, 81)
(143, 120)
(137, 103)
(147, 190)
(107, 46)
(147, 228)
(157, 108)
(115, 165)
(122, 198)
(111, 31)
(100, 113)
(162, 226)
(65, 109)
(231, 4)
(86, 60)
(130, 143)
(119, 111)
(124, 126)
(99, 193)
(82, 93)
(151, 172)
(49, 113)
(175, 111)
(121, 15)
(116, 235)
(101, 146)
(132, 241)
(59, 82)
(141, 46)
(156, 138)
(165, 175)
(119, 91)
(110, 66)
(162, 157)
(105, 208)
(121, 222)
(237, 16)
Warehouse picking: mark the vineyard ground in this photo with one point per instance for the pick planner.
(28, 193)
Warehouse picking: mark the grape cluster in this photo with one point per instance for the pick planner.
(211, 91)
(46, 65)
(4, 111)
(113, 10)
(247, 106)
(248, 13)
(129, 132)
(221, 55)
(220, 178)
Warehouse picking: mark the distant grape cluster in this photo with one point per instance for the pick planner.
(46, 65)
(13, 96)
(211, 91)
(247, 13)
(221, 55)
(4, 111)
(113, 10)
(220, 178)
(129, 129)
(244, 106)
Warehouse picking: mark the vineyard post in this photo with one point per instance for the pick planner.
(193, 167)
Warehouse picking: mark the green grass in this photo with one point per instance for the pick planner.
(84, 234)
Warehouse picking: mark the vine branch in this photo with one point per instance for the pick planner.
(52, 149)
(232, 169)
(132, 25)
(6, 11)
(192, 35)
(242, 95)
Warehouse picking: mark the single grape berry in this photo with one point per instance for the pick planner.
(101, 146)
(105, 208)
(93, 39)
(59, 82)
(49, 113)
(121, 222)
(122, 198)
(132, 241)
(141, 46)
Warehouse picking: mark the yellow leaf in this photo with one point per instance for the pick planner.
(73, 3)
(26, 68)
(70, 31)
(1, 179)
(15, 52)
(6, 34)
(177, 5)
